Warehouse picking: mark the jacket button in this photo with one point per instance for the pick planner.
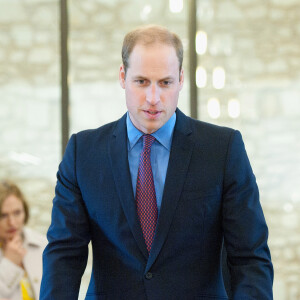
(149, 275)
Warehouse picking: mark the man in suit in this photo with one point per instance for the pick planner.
(158, 194)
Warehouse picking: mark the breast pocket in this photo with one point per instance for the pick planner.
(199, 210)
(189, 219)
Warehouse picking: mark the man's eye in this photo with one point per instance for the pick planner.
(166, 82)
(140, 81)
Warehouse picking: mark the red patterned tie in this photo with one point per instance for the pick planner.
(145, 193)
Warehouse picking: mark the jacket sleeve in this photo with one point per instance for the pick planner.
(65, 256)
(245, 228)
(10, 277)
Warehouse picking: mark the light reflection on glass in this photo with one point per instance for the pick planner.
(219, 78)
(201, 42)
(234, 110)
(201, 77)
(214, 108)
(176, 6)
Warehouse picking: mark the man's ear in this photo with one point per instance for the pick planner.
(181, 78)
(122, 76)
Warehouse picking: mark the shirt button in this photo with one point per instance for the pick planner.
(149, 275)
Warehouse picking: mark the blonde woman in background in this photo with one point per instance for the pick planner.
(20, 248)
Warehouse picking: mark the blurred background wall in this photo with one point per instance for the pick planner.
(248, 78)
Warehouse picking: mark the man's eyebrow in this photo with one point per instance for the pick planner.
(139, 77)
(170, 77)
(167, 78)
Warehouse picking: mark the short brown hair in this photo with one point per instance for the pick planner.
(147, 35)
(8, 188)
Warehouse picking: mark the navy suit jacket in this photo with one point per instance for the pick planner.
(210, 197)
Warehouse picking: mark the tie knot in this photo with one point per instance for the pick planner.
(148, 140)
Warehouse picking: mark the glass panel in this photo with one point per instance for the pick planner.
(29, 114)
(255, 44)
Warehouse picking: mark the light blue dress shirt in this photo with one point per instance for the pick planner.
(160, 153)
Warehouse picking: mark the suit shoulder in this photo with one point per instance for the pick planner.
(88, 141)
(103, 130)
(211, 130)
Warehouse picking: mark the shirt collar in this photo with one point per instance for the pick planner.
(163, 135)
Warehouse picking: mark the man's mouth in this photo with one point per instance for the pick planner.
(152, 112)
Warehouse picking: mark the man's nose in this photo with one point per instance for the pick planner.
(153, 94)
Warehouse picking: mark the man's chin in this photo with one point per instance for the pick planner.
(151, 128)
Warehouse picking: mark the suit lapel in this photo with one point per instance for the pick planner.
(122, 177)
(180, 155)
(181, 151)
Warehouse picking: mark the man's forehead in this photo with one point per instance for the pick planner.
(146, 46)
(154, 51)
